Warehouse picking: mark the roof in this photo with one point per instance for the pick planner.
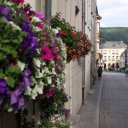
(97, 14)
(113, 45)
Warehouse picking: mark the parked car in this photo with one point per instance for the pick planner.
(122, 69)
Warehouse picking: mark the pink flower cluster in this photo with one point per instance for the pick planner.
(47, 54)
(50, 92)
(18, 1)
(40, 15)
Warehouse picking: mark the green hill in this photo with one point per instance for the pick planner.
(114, 34)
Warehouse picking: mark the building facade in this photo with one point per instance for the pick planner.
(79, 73)
(113, 53)
(98, 55)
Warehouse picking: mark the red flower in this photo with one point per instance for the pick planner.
(74, 56)
(63, 33)
(74, 33)
(18, 1)
(69, 51)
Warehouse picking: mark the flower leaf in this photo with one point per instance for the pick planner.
(11, 82)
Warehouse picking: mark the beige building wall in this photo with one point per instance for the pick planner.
(90, 30)
(87, 57)
(73, 69)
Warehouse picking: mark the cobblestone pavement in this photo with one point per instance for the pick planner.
(114, 101)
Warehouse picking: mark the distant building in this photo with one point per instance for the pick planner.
(98, 55)
(113, 53)
(124, 58)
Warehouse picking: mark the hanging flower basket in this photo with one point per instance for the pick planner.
(77, 43)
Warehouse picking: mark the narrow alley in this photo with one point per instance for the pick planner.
(114, 101)
(107, 106)
(63, 64)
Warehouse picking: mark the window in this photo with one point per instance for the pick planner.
(105, 58)
(117, 52)
(109, 58)
(109, 64)
(113, 58)
(116, 57)
(113, 52)
(104, 52)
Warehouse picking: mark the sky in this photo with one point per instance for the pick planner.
(114, 13)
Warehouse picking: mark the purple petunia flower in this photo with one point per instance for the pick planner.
(20, 103)
(42, 114)
(1, 100)
(3, 86)
(16, 99)
(5, 12)
(26, 26)
(27, 81)
(58, 35)
(16, 96)
(27, 72)
(26, 78)
(30, 43)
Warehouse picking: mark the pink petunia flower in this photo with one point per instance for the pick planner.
(50, 92)
(47, 54)
(40, 25)
(40, 15)
(18, 1)
(58, 57)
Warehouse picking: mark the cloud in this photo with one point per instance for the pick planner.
(113, 12)
(102, 24)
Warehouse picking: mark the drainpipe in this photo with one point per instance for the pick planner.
(83, 58)
(48, 8)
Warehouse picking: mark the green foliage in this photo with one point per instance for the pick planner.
(10, 39)
(43, 123)
(114, 34)
(66, 28)
(54, 104)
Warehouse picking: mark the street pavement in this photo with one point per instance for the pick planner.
(107, 107)
(89, 112)
(114, 101)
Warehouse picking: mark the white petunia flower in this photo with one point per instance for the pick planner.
(37, 62)
(39, 74)
(34, 94)
(10, 109)
(37, 29)
(58, 28)
(49, 80)
(21, 65)
(28, 91)
(35, 19)
(55, 31)
(9, 3)
(14, 25)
